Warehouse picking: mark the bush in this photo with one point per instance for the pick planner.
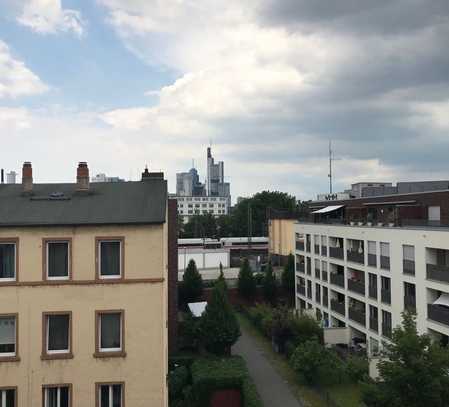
(246, 282)
(356, 368)
(192, 284)
(288, 278)
(258, 313)
(304, 328)
(177, 380)
(189, 333)
(269, 285)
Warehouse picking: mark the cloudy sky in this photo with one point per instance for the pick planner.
(123, 83)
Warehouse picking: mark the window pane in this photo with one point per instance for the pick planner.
(110, 331)
(7, 260)
(409, 252)
(10, 398)
(58, 332)
(52, 397)
(385, 249)
(116, 395)
(7, 334)
(110, 258)
(104, 396)
(372, 247)
(58, 259)
(64, 397)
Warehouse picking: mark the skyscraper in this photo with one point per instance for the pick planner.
(215, 177)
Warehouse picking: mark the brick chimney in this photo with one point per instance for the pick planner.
(27, 177)
(82, 177)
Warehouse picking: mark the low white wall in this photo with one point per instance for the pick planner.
(204, 259)
(335, 336)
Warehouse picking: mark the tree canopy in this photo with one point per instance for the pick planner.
(246, 281)
(192, 284)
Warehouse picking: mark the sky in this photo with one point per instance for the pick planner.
(126, 83)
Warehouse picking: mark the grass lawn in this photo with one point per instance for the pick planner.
(347, 395)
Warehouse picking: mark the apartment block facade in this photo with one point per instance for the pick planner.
(84, 292)
(361, 263)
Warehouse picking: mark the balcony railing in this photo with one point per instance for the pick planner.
(323, 250)
(355, 257)
(301, 289)
(386, 330)
(336, 252)
(385, 296)
(317, 273)
(300, 267)
(325, 301)
(300, 246)
(356, 286)
(324, 275)
(309, 268)
(372, 260)
(317, 297)
(374, 324)
(338, 307)
(338, 279)
(372, 292)
(357, 316)
(408, 267)
(308, 246)
(437, 272)
(317, 249)
(309, 294)
(410, 303)
(385, 262)
(438, 313)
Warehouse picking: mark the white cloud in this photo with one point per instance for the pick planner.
(49, 17)
(14, 118)
(15, 78)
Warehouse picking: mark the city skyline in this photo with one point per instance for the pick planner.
(123, 84)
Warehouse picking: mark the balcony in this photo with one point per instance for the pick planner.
(355, 257)
(438, 313)
(317, 273)
(372, 292)
(438, 273)
(301, 289)
(408, 267)
(374, 324)
(410, 303)
(309, 268)
(338, 279)
(324, 275)
(307, 246)
(385, 296)
(356, 286)
(309, 294)
(372, 260)
(317, 297)
(385, 262)
(357, 316)
(317, 249)
(325, 301)
(386, 330)
(338, 307)
(323, 250)
(336, 252)
(300, 267)
(300, 246)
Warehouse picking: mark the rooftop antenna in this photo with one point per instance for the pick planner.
(331, 160)
(193, 163)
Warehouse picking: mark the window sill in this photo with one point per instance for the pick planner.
(56, 356)
(7, 282)
(118, 354)
(9, 359)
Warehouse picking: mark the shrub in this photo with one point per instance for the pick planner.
(221, 280)
(258, 313)
(192, 283)
(189, 332)
(356, 368)
(177, 380)
(269, 285)
(246, 282)
(288, 278)
(304, 328)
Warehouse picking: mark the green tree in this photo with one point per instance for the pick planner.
(413, 373)
(316, 363)
(305, 328)
(288, 278)
(269, 285)
(192, 283)
(201, 226)
(219, 325)
(221, 280)
(246, 281)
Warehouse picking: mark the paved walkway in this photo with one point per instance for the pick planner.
(272, 388)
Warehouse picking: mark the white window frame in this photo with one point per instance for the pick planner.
(100, 349)
(58, 394)
(110, 386)
(68, 260)
(3, 396)
(9, 279)
(11, 354)
(47, 336)
(113, 276)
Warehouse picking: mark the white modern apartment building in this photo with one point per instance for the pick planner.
(361, 263)
(201, 205)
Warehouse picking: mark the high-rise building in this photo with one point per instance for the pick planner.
(215, 177)
(188, 184)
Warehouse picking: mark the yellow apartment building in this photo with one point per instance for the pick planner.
(84, 292)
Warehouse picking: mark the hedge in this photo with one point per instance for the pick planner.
(210, 374)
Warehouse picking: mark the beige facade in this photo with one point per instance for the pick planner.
(281, 236)
(141, 294)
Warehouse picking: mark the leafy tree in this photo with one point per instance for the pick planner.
(305, 328)
(219, 325)
(288, 278)
(225, 226)
(269, 285)
(192, 283)
(246, 282)
(414, 372)
(201, 226)
(316, 363)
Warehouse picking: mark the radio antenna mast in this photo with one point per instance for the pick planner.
(331, 160)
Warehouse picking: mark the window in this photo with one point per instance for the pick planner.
(110, 395)
(7, 261)
(8, 336)
(111, 258)
(110, 333)
(57, 396)
(57, 335)
(7, 397)
(57, 260)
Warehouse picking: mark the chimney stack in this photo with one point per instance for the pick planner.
(146, 175)
(27, 177)
(82, 177)
(3, 176)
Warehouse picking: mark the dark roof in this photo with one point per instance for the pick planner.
(106, 203)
